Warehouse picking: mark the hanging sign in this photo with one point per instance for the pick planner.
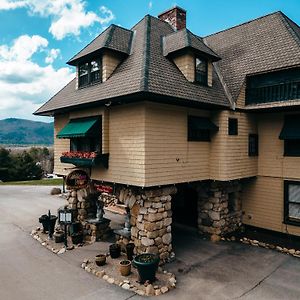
(77, 179)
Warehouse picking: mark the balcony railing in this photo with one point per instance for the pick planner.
(273, 93)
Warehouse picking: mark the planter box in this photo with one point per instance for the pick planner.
(86, 162)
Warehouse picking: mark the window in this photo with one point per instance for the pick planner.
(292, 202)
(85, 144)
(253, 145)
(199, 129)
(201, 71)
(291, 147)
(90, 72)
(232, 126)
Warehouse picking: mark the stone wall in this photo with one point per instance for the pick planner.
(219, 207)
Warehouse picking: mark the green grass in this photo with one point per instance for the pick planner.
(56, 181)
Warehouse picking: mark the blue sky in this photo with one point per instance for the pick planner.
(37, 37)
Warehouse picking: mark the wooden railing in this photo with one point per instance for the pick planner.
(273, 93)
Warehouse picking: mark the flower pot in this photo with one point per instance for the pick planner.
(77, 238)
(48, 224)
(114, 250)
(100, 259)
(125, 267)
(146, 265)
(129, 250)
(51, 224)
(58, 237)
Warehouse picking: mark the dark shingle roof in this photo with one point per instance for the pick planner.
(113, 38)
(146, 69)
(267, 43)
(184, 39)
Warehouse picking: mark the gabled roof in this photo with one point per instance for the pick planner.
(146, 71)
(267, 43)
(184, 39)
(114, 38)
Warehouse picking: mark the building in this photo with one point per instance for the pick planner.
(217, 117)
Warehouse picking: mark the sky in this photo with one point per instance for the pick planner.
(37, 37)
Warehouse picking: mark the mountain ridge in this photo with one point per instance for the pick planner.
(16, 131)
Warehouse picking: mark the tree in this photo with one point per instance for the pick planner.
(5, 164)
(25, 168)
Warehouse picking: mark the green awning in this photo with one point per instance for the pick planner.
(200, 123)
(291, 128)
(78, 128)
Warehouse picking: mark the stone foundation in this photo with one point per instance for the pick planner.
(219, 207)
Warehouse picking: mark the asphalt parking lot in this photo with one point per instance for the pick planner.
(225, 270)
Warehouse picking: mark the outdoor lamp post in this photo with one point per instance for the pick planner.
(65, 217)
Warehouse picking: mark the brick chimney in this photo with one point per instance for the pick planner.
(175, 16)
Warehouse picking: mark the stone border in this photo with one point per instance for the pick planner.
(257, 243)
(140, 289)
(42, 238)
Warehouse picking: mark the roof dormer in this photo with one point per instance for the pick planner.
(97, 61)
(190, 54)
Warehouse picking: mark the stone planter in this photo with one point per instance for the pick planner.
(146, 265)
(114, 250)
(125, 267)
(100, 259)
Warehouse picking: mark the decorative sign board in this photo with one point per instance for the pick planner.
(77, 179)
(104, 188)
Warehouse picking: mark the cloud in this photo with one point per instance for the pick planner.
(24, 84)
(150, 4)
(68, 17)
(52, 55)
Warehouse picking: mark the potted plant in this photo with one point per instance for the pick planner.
(100, 259)
(44, 220)
(77, 238)
(129, 250)
(146, 265)
(125, 267)
(114, 250)
(59, 236)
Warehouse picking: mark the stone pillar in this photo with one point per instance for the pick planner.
(220, 208)
(151, 219)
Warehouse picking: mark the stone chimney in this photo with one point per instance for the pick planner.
(175, 16)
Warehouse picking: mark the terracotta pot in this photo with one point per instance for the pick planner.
(100, 259)
(125, 267)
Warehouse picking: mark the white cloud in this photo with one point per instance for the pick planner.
(150, 4)
(25, 85)
(68, 17)
(52, 55)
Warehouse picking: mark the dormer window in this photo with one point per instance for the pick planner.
(201, 70)
(89, 72)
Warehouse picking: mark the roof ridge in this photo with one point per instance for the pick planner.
(244, 23)
(287, 22)
(146, 55)
(108, 28)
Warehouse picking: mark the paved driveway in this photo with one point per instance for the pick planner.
(204, 270)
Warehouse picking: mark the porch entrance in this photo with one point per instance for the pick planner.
(185, 206)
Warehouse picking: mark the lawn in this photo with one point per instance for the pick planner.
(56, 181)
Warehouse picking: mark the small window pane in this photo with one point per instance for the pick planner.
(253, 145)
(292, 147)
(232, 126)
(83, 69)
(294, 193)
(294, 211)
(95, 65)
(201, 70)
